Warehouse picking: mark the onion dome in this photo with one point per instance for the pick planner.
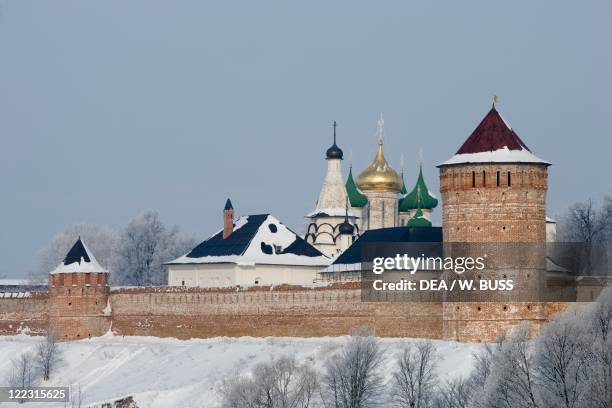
(356, 197)
(418, 220)
(379, 176)
(419, 197)
(334, 152)
(346, 228)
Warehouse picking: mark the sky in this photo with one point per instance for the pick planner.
(111, 108)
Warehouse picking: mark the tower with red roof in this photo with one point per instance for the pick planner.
(494, 192)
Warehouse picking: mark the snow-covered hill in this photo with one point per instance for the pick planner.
(174, 373)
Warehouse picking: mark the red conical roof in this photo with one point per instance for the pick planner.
(493, 133)
(493, 141)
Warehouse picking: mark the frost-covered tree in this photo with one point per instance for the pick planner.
(454, 393)
(564, 361)
(144, 245)
(47, 355)
(583, 222)
(414, 382)
(23, 372)
(599, 327)
(101, 240)
(352, 378)
(512, 380)
(280, 384)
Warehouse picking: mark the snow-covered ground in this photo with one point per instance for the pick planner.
(165, 372)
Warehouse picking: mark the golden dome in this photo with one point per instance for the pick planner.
(379, 176)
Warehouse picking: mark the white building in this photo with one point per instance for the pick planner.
(250, 251)
(332, 212)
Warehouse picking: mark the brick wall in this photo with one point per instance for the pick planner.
(26, 313)
(331, 311)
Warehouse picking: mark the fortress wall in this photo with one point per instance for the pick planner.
(24, 314)
(484, 321)
(296, 312)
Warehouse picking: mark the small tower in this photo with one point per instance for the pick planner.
(79, 296)
(381, 185)
(419, 198)
(228, 219)
(329, 214)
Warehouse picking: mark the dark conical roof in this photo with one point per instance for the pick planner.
(493, 141)
(493, 133)
(228, 205)
(334, 152)
(79, 259)
(77, 253)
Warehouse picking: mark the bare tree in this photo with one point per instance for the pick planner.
(352, 377)
(76, 396)
(23, 372)
(144, 245)
(599, 326)
(512, 380)
(582, 222)
(415, 379)
(47, 354)
(279, 384)
(563, 361)
(452, 394)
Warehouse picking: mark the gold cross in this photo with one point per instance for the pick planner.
(495, 98)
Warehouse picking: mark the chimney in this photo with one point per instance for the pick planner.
(228, 219)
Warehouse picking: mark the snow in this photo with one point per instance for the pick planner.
(81, 266)
(550, 220)
(330, 212)
(166, 372)
(253, 254)
(503, 155)
(14, 282)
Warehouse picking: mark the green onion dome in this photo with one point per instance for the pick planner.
(418, 220)
(419, 197)
(356, 197)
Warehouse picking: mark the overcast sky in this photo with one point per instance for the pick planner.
(108, 108)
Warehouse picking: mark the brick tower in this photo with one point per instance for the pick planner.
(494, 191)
(79, 296)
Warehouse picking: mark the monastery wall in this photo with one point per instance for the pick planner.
(28, 313)
(284, 311)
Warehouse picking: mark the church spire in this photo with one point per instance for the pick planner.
(334, 152)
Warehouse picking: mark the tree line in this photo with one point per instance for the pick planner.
(134, 254)
(569, 365)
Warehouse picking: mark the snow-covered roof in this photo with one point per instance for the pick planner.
(79, 259)
(330, 212)
(493, 141)
(256, 239)
(550, 220)
(503, 155)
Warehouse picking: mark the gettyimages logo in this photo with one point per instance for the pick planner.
(483, 272)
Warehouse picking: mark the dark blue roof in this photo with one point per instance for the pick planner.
(397, 234)
(235, 244)
(76, 253)
(238, 242)
(228, 205)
